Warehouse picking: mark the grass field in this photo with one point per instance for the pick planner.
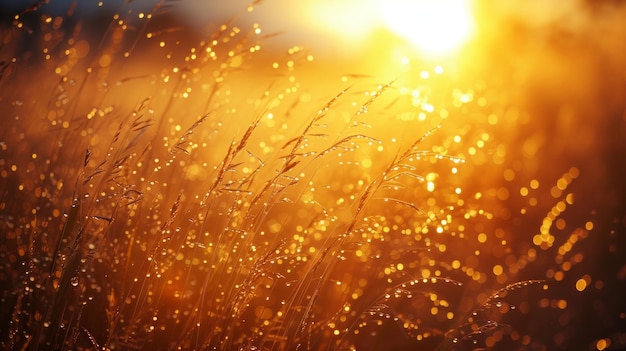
(166, 188)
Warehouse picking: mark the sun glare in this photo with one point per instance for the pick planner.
(435, 27)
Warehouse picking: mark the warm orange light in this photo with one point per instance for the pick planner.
(435, 27)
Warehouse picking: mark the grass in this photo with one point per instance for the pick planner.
(153, 199)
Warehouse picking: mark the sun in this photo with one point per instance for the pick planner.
(434, 27)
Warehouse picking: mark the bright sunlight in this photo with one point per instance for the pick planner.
(435, 27)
